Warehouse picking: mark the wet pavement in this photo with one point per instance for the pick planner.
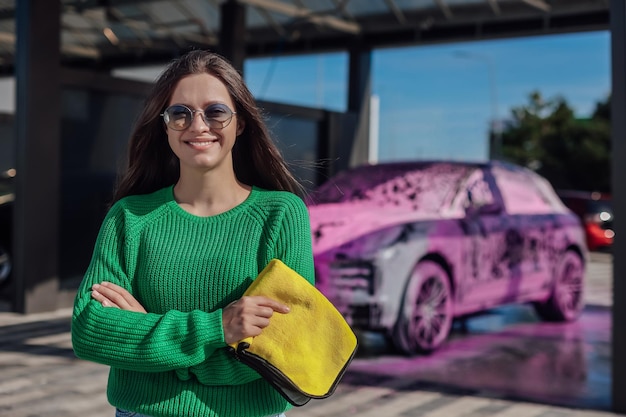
(503, 364)
(509, 354)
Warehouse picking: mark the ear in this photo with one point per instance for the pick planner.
(241, 126)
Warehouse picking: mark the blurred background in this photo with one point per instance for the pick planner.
(342, 83)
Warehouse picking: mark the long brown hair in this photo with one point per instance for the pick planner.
(151, 163)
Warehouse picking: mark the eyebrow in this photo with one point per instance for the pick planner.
(202, 108)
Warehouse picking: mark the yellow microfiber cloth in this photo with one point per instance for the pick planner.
(305, 352)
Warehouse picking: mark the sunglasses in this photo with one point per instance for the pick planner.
(179, 117)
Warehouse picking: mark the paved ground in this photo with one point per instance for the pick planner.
(39, 377)
(599, 291)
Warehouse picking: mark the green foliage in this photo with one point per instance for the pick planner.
(572, 153)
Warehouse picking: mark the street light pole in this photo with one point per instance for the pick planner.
(495, 126)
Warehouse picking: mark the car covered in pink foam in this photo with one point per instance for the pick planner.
(405, 248)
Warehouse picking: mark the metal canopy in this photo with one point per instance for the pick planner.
(103, 34)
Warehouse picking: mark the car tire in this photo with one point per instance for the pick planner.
(566, 301)
(425, 315)
(5, 266)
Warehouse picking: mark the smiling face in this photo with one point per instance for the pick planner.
(201, 148)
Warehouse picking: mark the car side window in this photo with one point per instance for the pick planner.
(520, 192)
(475, 193)
(478, 192)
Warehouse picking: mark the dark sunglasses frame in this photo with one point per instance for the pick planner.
(189, 114)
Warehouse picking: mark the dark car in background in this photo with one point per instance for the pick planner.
(596, 212)
(405, 248)
(6, 224)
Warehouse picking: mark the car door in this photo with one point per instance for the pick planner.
(531, 229)
(483, 279)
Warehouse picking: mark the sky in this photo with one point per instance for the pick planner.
(435, 101)
(438, 101)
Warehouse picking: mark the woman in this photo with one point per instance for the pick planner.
(205, 203)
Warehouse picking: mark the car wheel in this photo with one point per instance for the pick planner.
(566, 301)
(5, 265)
(426, 311)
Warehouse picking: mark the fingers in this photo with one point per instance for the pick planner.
(248, 316)
(101, 298)
(262, 306)
(273, 304)
(112, 295)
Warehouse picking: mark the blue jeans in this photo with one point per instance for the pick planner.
(124, 413)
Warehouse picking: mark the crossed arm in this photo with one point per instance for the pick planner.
(242, 318)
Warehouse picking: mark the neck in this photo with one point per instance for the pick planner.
(209, 194)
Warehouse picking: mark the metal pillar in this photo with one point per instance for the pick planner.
(618, 144)
(359, 83)
(360, 90)
(232, 33)
(36, 217)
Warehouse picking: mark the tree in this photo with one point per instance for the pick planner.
(572, 153)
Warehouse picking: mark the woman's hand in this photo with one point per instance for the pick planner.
(248, 316)
(111, 295)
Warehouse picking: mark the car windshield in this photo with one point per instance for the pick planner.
(417, 186)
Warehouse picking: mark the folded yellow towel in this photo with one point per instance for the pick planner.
(305, 352)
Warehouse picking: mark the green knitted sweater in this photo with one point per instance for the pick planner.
(184, 270)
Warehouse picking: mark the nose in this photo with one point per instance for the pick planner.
(198, 124)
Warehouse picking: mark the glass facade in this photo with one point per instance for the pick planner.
(297, 139)
(94, 129)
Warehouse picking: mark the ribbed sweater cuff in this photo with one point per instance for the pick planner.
(215, 329)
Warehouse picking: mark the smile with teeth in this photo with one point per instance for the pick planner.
(200, 142)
